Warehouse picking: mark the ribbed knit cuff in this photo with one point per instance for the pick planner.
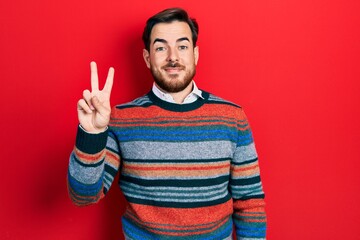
(90, 143)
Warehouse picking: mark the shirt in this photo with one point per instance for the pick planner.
(192, 97)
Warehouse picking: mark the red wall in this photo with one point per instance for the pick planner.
(292, 65)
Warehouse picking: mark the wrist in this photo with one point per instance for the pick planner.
(90, 143)
(93, 130)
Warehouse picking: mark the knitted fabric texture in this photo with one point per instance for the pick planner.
(187, 171)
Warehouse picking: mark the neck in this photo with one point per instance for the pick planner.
(179, 97)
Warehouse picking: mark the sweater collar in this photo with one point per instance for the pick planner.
(192, 97)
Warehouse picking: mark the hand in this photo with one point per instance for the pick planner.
(94, 108)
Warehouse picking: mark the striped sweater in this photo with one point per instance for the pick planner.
(187, 171)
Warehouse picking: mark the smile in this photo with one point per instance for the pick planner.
(173, 69)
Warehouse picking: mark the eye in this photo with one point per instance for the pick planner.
(159, 49)
(183, 47)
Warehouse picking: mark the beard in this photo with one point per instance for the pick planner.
(171, 82)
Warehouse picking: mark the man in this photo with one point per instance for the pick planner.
(189, 167)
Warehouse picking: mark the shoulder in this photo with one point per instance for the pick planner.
(214, 99)
(143, 101)
(134, 108)
(225, 107)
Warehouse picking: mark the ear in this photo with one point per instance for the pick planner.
(146, 56)
(196, 54)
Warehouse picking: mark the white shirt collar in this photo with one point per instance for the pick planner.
(192, 97)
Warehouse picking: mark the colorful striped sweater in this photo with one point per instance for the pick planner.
(187, 171)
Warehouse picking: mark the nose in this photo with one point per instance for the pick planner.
(173, 55)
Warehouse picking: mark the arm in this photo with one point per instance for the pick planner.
(94, 161)
(246, 188)
(93, 164)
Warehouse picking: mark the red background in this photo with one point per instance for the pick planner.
(292, 65)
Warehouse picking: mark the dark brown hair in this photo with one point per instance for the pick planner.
(167, 16)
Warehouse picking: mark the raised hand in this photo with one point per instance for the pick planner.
(94, 108)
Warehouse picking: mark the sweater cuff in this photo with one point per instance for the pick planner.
(90, 143)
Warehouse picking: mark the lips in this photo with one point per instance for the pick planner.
(173, 67)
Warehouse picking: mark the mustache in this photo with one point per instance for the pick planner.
(173, 65)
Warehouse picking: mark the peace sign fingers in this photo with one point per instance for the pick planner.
(94, 77)
(109, 81)
(94, 108)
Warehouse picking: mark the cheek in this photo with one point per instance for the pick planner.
(157, 61)
(189, 59)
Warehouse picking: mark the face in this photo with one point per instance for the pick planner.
(172, 57)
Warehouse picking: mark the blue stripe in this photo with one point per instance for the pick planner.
(221, 234)
(244, 138)
(133, 232)
(85, 189)
(246, 229)
(258, 232)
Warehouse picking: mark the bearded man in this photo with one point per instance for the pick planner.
(186, 158)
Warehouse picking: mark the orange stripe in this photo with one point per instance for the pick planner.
(177, 173)
(89, 199)
(185, 217)
(214, 109)
(152, 226)
(252, 205)
(112, 158)
(182, 233)
(89, 158)
(244, 168)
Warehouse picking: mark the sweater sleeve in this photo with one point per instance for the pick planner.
(93, 164)
(246, 188)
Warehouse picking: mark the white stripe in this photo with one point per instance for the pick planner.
(176, 150)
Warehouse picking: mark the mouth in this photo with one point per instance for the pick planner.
(173, 68)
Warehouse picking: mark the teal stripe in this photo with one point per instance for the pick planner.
(175, 182)
(180, 196)
(244, 190)
(167, 191)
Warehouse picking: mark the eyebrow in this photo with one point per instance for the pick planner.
(164, 41)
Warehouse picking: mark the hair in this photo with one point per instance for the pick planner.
(167, 16)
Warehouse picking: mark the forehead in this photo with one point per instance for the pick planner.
(170, 31)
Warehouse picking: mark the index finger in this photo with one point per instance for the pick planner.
(109, 80)
(94, 76)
